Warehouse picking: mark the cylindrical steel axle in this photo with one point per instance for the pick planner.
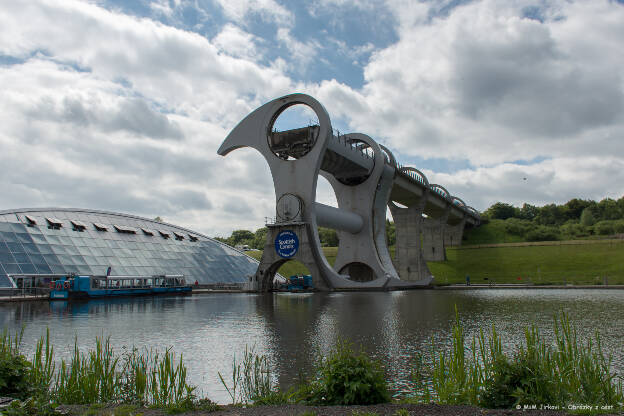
(338, 219)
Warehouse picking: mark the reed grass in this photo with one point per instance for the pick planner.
(168, 384)
(252, 380)
(559, 371)
(42, 367)
(555, 372)
(100, 375)
(88, 378)
(10, 344)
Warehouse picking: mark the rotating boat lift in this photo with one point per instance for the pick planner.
(366, 179)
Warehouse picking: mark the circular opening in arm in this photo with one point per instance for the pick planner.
(293, 131)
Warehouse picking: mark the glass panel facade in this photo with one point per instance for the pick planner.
(38, 249)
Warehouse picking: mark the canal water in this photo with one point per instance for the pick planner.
(292, 329)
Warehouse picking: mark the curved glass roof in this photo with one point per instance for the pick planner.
(56, 241)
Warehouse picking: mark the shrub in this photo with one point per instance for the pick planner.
(587, 217)
(14, 380)
(525, 379)
(506, 379)
(517, 226)
(604, 228)
(38, 405)
(348, 378)
(543, 233)
(558, 373)
(14, 368)
(573, 229)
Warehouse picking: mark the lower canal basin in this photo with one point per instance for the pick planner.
(292, 329)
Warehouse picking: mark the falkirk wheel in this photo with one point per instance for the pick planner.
(366, 180)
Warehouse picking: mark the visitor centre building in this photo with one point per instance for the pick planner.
(38, 244)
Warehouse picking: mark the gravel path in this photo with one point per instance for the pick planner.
(388, 409)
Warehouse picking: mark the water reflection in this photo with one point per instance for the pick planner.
(293, 329)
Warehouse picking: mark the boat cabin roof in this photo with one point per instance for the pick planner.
(168, 276)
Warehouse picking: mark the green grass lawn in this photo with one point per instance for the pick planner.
(539, 264)
(295, 267)
(492, 232)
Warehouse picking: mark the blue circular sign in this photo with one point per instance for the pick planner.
(286, 244)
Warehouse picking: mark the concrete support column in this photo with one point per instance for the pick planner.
(359, 254)
(408, 257)
(433, 237)
(453, 233)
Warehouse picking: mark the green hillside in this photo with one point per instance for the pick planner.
(493, 232)
(539, 263)
(565, 262)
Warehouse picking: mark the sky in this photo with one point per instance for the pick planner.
(122, 105)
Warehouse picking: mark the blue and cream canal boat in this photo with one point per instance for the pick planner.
(69, 287)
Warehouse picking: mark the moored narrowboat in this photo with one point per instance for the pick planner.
(69, 287)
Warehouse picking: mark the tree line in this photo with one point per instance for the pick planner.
(257, 239)
(574, 219)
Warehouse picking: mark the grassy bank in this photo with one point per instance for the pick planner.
(559, 262)
(102, 375)
(493, 232)
(478, 372)
(555, 372)
(537, 263)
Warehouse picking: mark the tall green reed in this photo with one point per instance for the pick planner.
(136, 366)
(90, 377)
(168, 381)
(460, 375)
(540, 372)
(100, 375)
(252, 378)
(10, 344)
(42, 365)
(233, 390)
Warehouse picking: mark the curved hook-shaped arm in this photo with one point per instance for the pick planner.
(253, 130)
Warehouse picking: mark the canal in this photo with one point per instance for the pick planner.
(292, 329)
